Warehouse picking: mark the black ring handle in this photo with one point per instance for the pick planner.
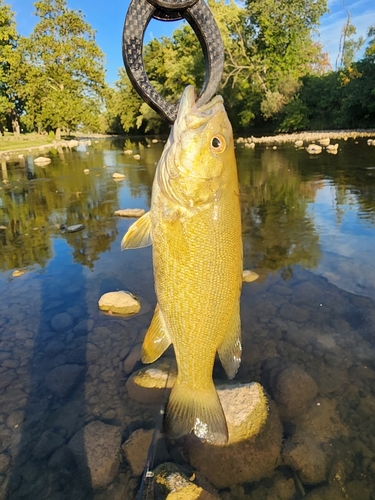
(199, 16)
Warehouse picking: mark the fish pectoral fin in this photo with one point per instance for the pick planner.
(199, 411)
(230, 350)
(138, 234)
(157, 338)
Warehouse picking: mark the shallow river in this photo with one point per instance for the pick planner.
(308, 324)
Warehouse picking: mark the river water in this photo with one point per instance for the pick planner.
(308, 231)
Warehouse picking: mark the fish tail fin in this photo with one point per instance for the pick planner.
(190, 410)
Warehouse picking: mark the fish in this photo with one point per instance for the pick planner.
(194, 226)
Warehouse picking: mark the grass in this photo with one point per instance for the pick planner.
(9, 142)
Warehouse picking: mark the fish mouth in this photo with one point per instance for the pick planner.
(192, 116)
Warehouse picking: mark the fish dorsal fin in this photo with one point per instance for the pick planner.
(138, 234)
(157, 339)
(230, 349)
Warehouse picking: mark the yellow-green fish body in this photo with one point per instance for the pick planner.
(195, 227)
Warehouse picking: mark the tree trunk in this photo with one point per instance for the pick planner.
(2, 129)
(15, 124)
(58, 134)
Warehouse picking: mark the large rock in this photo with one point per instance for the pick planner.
(255, 436)
(136, 449)
(120, 302)
(96, 450)
(62, 379)
(293, 390)
(61, 322)
(304, 456)
(47, 444)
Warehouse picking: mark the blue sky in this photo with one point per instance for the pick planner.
(107, 19)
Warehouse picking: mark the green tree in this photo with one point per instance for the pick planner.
(61, 71)
(9, 105)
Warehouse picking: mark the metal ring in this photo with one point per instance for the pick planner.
(200, 19)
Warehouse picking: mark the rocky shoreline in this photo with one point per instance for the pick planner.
(309, 136)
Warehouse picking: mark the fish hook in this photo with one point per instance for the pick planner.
(200, 18)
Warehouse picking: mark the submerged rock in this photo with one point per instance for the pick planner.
(255, 436)
(293, 390)
(62, 379)
(303, 454)
(47, 444)
(136, 449)
(148, 385)
(120, 302)
(96, 451)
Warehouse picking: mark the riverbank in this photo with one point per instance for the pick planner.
(309, 136)
(10, 145)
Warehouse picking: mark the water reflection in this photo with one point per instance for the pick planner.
(308, 321)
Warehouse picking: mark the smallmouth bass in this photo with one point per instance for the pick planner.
(194, 225)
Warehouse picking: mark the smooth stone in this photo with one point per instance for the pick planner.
(128, 152)
(249, 276)
(61, 458)
(293, 391)
(118, 176)
(304, 456)
(7, 378)
(61, 322)
(74, 228)
(325, 141)
(120, 302)
(47, 444)
(148, 385)
(4, 463)
(42, 160)
(96, 450)
(298, 144)
(255, 437)
(332, 492)
(54, 347)
(83, 327)
(18, 272)
(62, 379)
(137, 157)
(130, 212)
(294, 313)
(314, 149)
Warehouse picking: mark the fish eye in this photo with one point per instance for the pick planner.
(218, 143)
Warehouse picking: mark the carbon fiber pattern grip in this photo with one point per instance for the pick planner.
(201, 20)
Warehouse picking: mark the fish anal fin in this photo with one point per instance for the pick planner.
(230, 350)
(198, 411)
(139, 234)
(157, 339)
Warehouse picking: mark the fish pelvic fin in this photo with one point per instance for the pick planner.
(190, 410)
(139, 234)
(230, 350)
(157, 338)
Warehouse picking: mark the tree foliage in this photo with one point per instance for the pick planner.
(61, 70)
(8, 43)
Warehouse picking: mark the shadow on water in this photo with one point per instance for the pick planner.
(55, 410)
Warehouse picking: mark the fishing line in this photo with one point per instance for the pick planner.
(147, 472)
